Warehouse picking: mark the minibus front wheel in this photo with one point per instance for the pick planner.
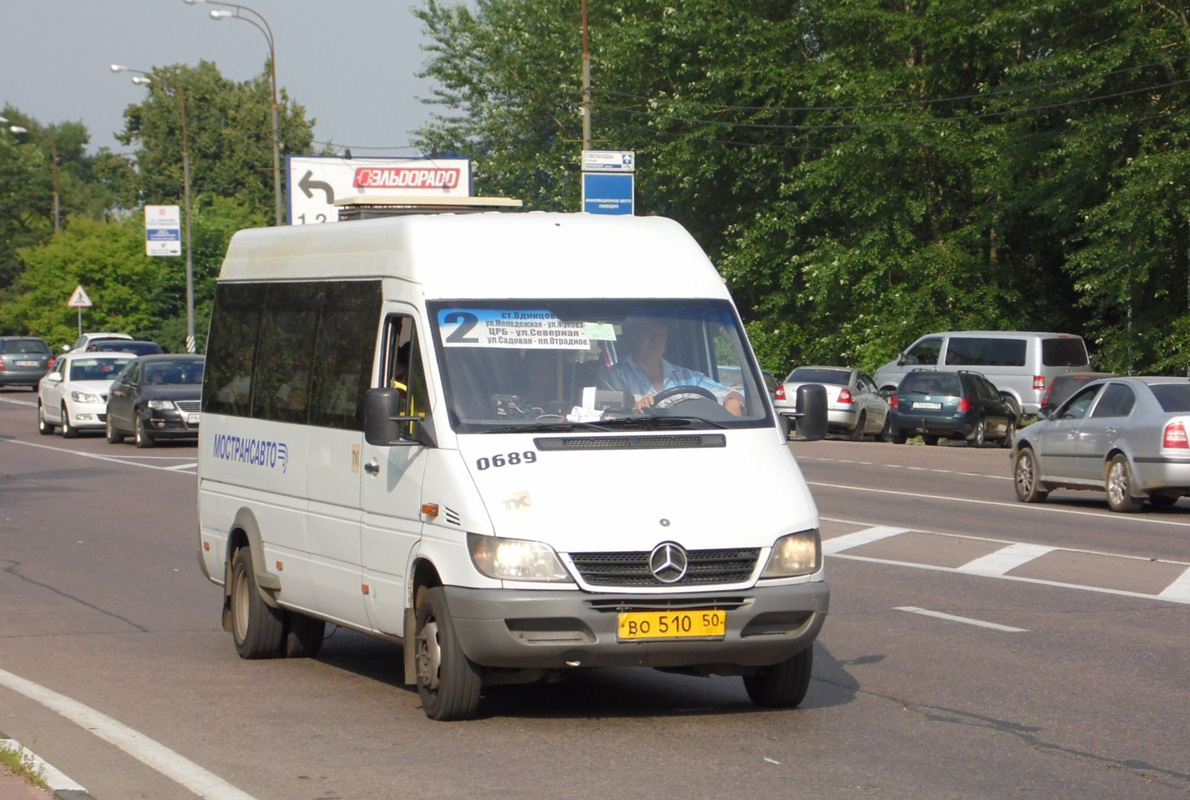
(448, 682)
(256, 627)
(782, 685)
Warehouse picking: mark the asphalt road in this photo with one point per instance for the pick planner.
(975, 648)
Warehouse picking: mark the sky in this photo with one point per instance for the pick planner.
(351, 63)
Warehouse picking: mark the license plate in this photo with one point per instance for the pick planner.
(927, 405)
(707, 623)
(192, 419)
(26, 364)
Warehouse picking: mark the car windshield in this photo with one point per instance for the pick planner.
(1173, 397)
(25, 347)
(819, 375)
(185, 373)
(941, 383)
(96, 369)
(608, 363)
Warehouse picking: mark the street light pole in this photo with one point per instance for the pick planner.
(143, 78)
(258, 21)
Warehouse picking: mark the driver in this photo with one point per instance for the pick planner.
(645, 373)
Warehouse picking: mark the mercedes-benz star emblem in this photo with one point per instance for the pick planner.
(668, 562)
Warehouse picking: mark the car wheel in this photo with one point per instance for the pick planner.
(43, 427)
(113, 436)
(1009, 434)
(897, 436)
(1014, 405)
(1025, 477)
(448, 683)
(303, 635)
(857, 435)
(929, 439)
(141, 436)
(256, 627)
(886, 433)
(68, 430)
(979, 437)
(1118, 484)
(782, 685)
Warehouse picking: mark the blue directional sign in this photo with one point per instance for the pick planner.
(608, 193)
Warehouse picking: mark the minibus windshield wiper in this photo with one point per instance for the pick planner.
(543, 427)
(653, 423)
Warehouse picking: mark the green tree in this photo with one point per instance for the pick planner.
(863, 172)
(229, 131)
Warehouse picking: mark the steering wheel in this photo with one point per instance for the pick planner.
(665, 394)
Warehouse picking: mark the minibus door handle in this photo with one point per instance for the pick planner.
(372, 467)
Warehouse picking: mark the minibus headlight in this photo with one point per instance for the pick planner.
(515, 559)
(795, 554)
(160, 405)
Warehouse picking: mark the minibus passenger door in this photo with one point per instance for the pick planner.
(391, 479)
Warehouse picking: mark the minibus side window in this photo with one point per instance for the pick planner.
(231, 347)
(403, 368)
(343, 354)
(286, 353)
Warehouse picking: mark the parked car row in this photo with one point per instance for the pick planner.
(148, 397)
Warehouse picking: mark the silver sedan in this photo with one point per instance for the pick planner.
(854, 406)
(1123, 436)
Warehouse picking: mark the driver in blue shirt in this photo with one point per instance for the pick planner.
(645, 373)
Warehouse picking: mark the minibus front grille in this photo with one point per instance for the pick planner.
(704, 567)
(630, 442)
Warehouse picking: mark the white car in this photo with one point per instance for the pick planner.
(854, 408)
(73, 395)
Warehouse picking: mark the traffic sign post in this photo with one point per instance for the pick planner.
(163, 230)
(609, 181)
(608, 194)
(80, 301)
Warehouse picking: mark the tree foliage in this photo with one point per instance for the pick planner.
(101, 241)
(864, 172)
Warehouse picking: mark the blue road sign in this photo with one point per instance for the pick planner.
(605, 193)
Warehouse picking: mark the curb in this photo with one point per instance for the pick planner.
(61, 787)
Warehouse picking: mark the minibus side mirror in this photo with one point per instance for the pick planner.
(384, 426)
(810, 416)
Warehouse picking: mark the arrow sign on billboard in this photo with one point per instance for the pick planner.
(306, 185)
(79, 299)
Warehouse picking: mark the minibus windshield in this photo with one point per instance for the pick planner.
(608, 364)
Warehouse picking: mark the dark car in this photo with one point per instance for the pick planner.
(951, 405)
(156, 397)
(23, 360)
(134, 346)
(1065, 385)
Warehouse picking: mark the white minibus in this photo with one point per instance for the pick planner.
(517, 444)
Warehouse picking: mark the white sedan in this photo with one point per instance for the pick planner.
(73, 395)
(854, 406)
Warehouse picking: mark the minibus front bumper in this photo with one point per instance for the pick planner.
(574, 629)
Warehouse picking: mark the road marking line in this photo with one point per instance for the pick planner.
(1006, 559)
(53, 778)
(1122, 518)
(1179, 590)
(1036, 581)
(847, 541)
(113, 459)
(148, 751)
(965, 620)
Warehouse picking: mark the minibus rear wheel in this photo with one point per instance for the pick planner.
(447, 681)
(782, 685)
(256, 626)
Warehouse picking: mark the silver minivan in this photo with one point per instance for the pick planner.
(1020, 364)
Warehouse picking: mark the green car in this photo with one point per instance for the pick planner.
(950, 405)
